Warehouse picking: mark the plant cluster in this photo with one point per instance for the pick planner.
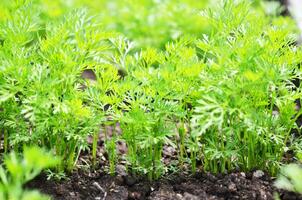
(246, 111)
(220, 94)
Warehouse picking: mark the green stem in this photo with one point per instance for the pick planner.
(71, 156)
(152, 154)
(94, 148)
(181, 132)
(193, 158)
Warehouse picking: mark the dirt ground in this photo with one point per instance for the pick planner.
(100, 186)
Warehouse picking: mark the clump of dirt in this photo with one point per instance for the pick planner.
(100, 186)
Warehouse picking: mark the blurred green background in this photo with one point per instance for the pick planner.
(149, 23)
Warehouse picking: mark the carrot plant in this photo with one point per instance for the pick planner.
(215, 85)
(166, 90)
(249, 64)
(42, 100)
(145, 133)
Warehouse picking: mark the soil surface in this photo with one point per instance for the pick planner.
(88, 184)
(100, 186)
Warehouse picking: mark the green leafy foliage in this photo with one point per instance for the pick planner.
(19, 170)
(290, 178)
(41, 79)
(210, 79)
(249, 62)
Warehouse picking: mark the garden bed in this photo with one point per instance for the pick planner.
(98, 185)
(172, 91)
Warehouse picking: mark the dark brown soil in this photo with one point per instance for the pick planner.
(100, 186)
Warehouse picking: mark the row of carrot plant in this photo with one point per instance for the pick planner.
(213, 81)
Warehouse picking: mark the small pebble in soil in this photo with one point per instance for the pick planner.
(135, 195)
(121, 170)
(258, 174)
(232, 187)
